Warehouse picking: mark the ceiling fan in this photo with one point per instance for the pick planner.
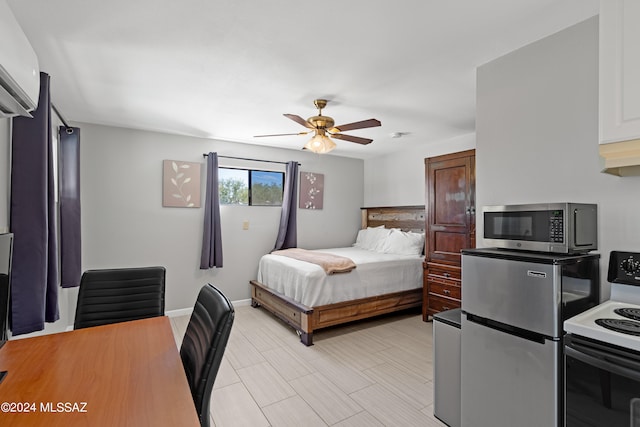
(323, 128)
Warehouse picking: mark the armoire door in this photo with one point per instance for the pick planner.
(450, 186)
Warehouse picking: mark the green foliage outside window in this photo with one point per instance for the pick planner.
(233, 192)
(250, 187)
(266, 188)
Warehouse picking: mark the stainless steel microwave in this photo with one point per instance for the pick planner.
(543, 227)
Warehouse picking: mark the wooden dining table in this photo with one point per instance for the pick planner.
(123, 374)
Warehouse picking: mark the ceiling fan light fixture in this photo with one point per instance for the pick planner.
(324, 126)
(320, 144)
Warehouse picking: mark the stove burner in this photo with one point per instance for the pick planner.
(628, 312)
(620, 325)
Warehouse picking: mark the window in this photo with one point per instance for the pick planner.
(250, 187)
(266, 188)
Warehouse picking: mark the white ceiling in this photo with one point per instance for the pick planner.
(229, 69)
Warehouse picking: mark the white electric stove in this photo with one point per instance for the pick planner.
(616, 321)
(602, 353)
(611, 322)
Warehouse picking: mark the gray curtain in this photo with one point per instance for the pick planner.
(69, 183)
(212, 236)
(34, 279)
(288, 230)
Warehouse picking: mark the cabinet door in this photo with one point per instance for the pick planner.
(619, 70)
(451, 210)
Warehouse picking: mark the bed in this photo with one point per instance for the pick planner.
(384, 281)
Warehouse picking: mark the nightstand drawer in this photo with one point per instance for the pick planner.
(437, 304)
(444, 289)
(444, 271)
(442, 281)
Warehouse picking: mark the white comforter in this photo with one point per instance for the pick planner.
(376, 274)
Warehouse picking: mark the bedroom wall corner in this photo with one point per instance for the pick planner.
(398, 179)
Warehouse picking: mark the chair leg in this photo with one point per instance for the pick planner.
(205, 421)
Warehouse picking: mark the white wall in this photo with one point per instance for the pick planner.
(537, 136)
(398, 179)
(124, 223)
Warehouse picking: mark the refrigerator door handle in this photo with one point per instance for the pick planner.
(508, 329)
(602, 364)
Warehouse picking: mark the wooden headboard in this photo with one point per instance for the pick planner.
(407, 218)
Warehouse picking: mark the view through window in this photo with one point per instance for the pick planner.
(250, 187)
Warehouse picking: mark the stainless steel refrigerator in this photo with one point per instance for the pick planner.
(514, 304)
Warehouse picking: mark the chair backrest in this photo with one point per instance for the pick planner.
(203, 345)
(119, 295)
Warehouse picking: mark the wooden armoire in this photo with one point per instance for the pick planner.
(450, 227)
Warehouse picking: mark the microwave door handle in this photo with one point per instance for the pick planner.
(603, 364)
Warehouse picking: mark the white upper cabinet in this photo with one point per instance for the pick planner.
(619, 70)
(620, 87)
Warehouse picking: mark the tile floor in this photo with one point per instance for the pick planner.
(371, 373)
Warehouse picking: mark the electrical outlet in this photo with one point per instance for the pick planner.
(245, 225)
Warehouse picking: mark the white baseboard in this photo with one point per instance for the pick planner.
(242, 302)
(187, 311)
(180, 312)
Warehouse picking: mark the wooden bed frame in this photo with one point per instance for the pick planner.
(308, 319)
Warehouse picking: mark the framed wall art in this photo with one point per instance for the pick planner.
(311, 190)
(180, 184)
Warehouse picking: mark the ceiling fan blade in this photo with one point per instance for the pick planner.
(371, 123)
(350, 138)
(281, 134)
(299, 120)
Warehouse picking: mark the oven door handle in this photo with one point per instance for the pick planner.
(603, 364)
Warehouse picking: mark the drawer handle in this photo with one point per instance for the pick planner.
(444, 307)
(446, 274)
(447, 291)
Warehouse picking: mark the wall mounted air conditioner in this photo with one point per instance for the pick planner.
(19, 70)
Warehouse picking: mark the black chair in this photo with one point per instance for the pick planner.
(203, 345)
(119, 295)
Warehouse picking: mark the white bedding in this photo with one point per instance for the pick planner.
(376, 274)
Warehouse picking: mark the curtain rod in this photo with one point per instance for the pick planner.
(252, 160)
(64, 122)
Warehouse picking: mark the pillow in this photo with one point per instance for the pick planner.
(371, 239)
(403, 243)
(363, 235)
